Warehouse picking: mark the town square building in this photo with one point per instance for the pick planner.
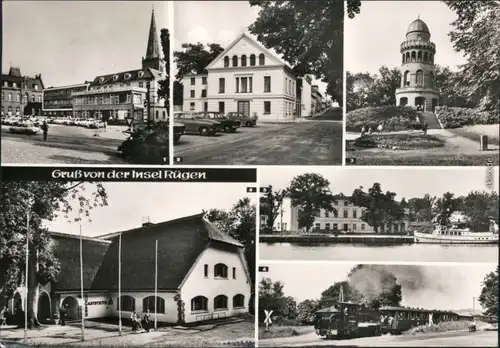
(119, 95)
(21, 95)
(346, 218)
(202, 274)
(248, 78)
(417, 69)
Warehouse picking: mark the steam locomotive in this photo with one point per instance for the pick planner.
(350, 320)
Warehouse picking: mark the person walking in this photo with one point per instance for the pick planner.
(147, 321)
(379, 128)
(62, 315)
(424, 127)
(45, 130)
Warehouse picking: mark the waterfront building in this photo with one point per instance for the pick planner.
(21, 95)
(248, 78)
(202, 274)
(345, 218)
(417, 69)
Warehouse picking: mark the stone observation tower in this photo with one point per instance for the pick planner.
(417, 69)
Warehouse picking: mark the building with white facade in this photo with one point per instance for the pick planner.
(345, 218)
(116, 96)
(202, 274)
(248, 78)
(417, 69)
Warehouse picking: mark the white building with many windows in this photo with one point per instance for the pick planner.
(202, 274)
(248, 78)
(345, 218)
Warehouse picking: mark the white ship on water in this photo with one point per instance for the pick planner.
(458, 233)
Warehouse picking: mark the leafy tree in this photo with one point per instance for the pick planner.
(476, 34)
(42, 201)
(271, 204)
(445, 206)
(365, 89)
(239, 223)
(290, 307)
(309, 36)
(331, 294)
(380, 208)
(479, 208)
(271, 296)
(311, 193)
(178, 93)
(489, 293)
(194, 58)
(421, 208)
(306, 310)
(164, 85)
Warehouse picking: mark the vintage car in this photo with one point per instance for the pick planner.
(24, 128)
(247, 121)
(179, 130)
(227, 125)
(196, 125)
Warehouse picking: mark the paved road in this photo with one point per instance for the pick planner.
(303, 143)
(65, 144)
(446, 339)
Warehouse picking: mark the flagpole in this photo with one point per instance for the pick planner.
(81, 283)
(26, 285)
(120, 284)
(156, 279)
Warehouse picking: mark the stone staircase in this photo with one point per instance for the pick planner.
(431, 119)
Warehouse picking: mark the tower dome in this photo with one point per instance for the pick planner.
(418, 25)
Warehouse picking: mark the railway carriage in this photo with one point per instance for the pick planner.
(396, 320)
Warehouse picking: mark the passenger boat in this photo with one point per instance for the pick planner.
(458, 233)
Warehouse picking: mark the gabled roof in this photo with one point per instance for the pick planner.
(180, 242)
(132, 75)
(67, 250)
(255, 42)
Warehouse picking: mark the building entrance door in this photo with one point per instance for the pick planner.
(244, 107)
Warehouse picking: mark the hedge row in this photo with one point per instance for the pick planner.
(392, 118)
(453, 117)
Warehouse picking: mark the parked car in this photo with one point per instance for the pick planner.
(196, 125)
(179, 130)
(227, 125)
(146, 144)
(247, 121)
(25, 128)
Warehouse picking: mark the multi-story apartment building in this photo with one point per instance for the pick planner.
(21, 95)
(120, 95)
(245, 77)
(346, 218)
(316, 100)
(58, 101)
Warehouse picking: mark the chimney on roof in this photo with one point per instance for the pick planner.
(146, 221)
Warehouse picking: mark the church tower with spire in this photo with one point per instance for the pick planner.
(153, 58)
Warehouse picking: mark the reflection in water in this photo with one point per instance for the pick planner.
(360, 252)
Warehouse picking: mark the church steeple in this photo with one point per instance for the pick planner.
(153, 50)
(153, 58)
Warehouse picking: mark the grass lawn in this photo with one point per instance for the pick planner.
(474, 132)
(442, 327)
(284, 331)
(400, 141)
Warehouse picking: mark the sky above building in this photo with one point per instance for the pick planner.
(373, 37)
(131, 204)
(442, 286)
(215, 22)
(69, 42)
(404, 181)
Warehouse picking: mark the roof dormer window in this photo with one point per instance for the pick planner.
(101, 80)
(127, 76)
(141, 73)
(115, 78)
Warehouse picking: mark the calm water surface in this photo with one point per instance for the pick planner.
(359, 252)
